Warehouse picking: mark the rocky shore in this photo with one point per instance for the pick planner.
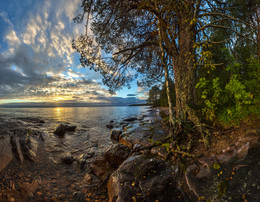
(228, 171)
(136, 167)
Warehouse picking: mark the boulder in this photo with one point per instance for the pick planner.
(6, 153)
(130, 119)
(60, 130)
(117, 154)
(67, 158)
(114, 135)
(24, 145)
(143, 179)
(101, 167)
(110, 126)
(70, 128)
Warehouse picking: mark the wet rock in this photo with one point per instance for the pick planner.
(70, 128)
(81, 160)
(123, 139)
(67, 158)
(140, 117)
(101, 167)
(114, 135)
(24, 145)
(135, 136)
(43, 136)
(117, 154)
(144, 180)
(110, 126)
(88, 179)
(60, 130)
(6, 153)
(130, 119)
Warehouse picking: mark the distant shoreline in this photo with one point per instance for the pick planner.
(133, 105)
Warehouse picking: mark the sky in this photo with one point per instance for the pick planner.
(37, 62)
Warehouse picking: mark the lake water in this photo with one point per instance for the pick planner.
(91, 124)
(77, 115)
(55, 179)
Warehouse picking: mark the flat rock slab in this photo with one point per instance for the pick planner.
(6, 153)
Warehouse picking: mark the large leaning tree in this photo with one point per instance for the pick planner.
(152, 39)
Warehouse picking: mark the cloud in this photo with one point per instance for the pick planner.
(131, 95)
(37, 61)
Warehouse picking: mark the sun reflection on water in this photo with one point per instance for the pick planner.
(58, 111)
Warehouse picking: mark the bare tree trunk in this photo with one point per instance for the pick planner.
(166, 75)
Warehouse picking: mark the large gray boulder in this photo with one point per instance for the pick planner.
(143, 179)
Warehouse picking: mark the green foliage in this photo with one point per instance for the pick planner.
(216, 166)
(230, 94)
(167, 146)
(222, 187)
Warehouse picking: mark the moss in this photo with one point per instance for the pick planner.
(216, 166)
(167, 146)
(222, 187)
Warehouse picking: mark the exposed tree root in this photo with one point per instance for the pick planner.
(182, 152)
(204, 132)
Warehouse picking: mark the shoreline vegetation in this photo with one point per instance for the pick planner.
(140, 165)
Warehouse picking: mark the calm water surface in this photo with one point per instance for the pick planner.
(91, 125)
(76, 114)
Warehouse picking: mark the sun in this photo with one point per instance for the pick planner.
(59, 98)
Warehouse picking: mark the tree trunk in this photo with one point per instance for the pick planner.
(258, 30)
(184, 72)
(172, 119)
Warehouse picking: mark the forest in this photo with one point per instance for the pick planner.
(203, 54)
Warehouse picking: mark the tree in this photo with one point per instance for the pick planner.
(163, 95)
(154, 95)
(153, 37)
